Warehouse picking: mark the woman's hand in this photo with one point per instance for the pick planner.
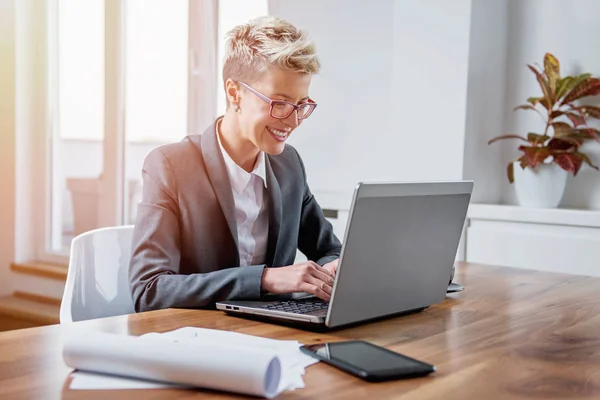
(332, 267)
(306, 277)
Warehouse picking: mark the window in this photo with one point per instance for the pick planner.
(125, 77)
(156, 70)
(156, 85)
(77, 76)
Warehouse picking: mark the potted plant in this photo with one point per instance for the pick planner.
(548, 157)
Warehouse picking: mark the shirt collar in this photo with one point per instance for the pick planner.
(238, 176)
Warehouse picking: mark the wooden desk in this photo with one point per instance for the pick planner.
(512, 334)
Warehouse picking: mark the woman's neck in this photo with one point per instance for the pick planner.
(241, 150)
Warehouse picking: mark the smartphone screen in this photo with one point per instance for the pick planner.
(368, 360)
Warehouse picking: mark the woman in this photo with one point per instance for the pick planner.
(221, 210)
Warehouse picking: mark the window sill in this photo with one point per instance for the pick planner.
(41, 269)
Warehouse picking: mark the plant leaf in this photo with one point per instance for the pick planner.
(576, 119)
(566, 84)
(552, 70)
(588, 87)
(590, 111)
(586, 159)
(535, 100)
(563, 144)
(573, 139)
(529, 107)
(506, 137)
(548, 100)
(586, 133)
(562, 86)
(510, 172)
(561, 129)
(534, 155)
(535, 138)
(525, 107)
(569, 162)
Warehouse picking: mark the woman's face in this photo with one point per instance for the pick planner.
(256, 124)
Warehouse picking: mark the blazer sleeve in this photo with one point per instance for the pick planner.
(316, 239)
(154, 270)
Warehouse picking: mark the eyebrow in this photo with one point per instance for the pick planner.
(288, 97)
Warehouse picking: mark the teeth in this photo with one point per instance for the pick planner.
(279, 133)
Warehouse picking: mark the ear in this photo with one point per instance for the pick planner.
(232, 91)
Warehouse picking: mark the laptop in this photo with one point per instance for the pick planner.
(398, 256)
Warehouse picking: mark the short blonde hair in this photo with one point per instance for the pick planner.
(267, 41)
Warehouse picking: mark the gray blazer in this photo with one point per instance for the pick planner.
(184, 248)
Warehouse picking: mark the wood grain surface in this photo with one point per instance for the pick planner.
(512, 334)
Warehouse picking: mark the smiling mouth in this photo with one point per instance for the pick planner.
(279, 135)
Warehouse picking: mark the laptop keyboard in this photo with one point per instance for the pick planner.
(297, 306)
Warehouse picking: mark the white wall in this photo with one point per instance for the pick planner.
(570, 31)
(429, 92)
(505, 37)
(7, 141)
(25, 120)
(391, 94)
(486, 112)
(30, 125)
(342, 141)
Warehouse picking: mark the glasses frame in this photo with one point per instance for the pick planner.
(272, 102)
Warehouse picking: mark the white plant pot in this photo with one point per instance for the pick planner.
(540, 187)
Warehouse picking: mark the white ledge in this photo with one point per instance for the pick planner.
(551, 216)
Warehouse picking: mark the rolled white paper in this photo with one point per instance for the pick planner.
(221, 367)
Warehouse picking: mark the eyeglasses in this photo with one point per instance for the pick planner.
(282, 109)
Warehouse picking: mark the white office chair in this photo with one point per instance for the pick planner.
(97, 281)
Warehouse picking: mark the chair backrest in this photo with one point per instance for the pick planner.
(97, 281)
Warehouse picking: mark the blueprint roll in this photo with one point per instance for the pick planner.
(215, 366)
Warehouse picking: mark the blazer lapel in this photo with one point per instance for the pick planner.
(219, 179)
(275, 214)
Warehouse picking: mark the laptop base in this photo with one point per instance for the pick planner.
(316, 327)
(321, 327)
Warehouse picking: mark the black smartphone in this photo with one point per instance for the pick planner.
(368, 361)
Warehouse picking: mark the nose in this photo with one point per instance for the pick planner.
(292, 120)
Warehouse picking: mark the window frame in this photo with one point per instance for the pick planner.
(202, 62)
(113, 141)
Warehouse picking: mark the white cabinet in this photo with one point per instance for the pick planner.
(558, 240)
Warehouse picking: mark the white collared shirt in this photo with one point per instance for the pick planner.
(251, 212)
